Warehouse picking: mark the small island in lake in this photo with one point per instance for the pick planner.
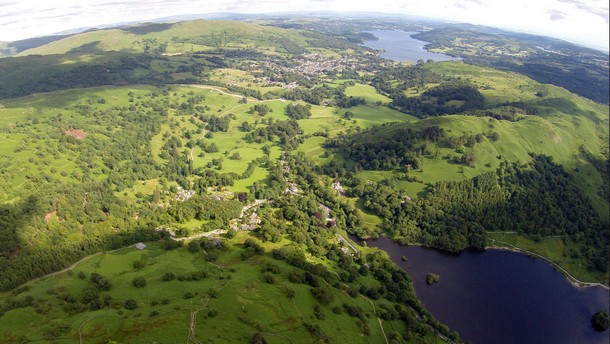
(432, 278)
(600, 321)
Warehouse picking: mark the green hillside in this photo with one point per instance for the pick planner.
(443, 155)
(181, 38)
(202, 293)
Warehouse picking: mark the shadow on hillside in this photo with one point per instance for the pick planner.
(87, 48)
(148, 28)
(37, 74)
(548, 106)
(13, 218)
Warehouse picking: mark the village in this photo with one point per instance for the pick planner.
(272, 73)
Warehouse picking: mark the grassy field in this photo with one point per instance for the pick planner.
(229, 306)
(369, 93)
(25, 152)
(242, 79)
(22, 154)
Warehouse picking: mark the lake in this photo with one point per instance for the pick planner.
(400, 46)
(499, 296)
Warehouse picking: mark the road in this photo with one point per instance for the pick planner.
(344, 240)
(220, 90)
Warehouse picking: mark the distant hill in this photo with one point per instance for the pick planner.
(152, 53)
(581, 70)
(13, 48)
(183, 37)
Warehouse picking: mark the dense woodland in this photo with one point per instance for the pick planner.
(402, 149)
(538, 199)
(441, 100)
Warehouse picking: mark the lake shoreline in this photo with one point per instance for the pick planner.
(400, 46)
(573, 280)
(531, 291)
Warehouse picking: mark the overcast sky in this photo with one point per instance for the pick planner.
(579, 21)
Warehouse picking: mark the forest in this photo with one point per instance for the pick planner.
(539, 199)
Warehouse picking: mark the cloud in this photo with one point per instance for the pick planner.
(584, 21)
(555, 15)
(593, 6)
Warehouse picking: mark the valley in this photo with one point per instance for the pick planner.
(244, 153)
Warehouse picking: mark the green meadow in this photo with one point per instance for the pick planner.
(369, 93)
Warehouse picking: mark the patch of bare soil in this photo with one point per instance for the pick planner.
(77, 134)
(48, 216)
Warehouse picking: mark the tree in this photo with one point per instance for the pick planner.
(138, 265)
(168, 276)
(260, 109)
(194, 246)
(298, 111)
(258, 338)
(245, 126)
(323, 294)
(139, 282)
(130, 304)
(599, 321)
(432, 278)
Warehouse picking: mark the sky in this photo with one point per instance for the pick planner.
(579, 21)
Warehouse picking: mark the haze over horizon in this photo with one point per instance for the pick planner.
(582, 22)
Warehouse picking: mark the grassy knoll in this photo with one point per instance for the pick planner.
(230, 304)
(501, 86)
(562, 251)
(368, 115)
(367, 92)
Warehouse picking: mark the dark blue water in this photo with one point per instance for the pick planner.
(400, 46)
(499, 296)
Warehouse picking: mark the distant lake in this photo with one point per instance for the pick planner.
(400, 46)
(499, 296)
